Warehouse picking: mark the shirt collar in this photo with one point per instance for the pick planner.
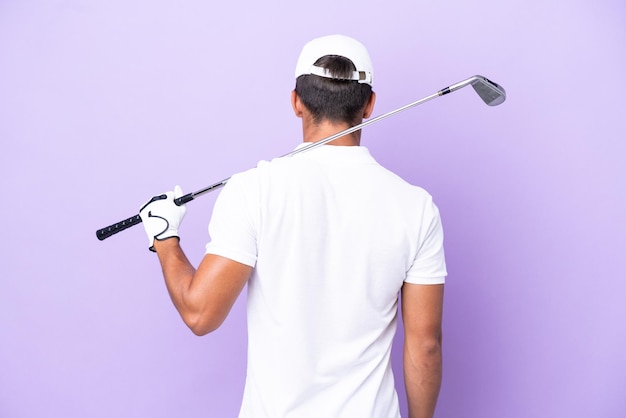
(340, 154)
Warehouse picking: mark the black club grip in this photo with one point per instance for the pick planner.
(118, 227)
(105, 233)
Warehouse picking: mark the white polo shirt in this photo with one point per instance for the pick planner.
(332, 236)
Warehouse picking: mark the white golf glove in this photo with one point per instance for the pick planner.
(161, 217)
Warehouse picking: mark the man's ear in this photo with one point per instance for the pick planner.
(369, 107)
(296, 104)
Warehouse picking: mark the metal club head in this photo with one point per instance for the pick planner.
(491, 93)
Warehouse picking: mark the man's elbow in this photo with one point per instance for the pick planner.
(202, 324)
(433, 342)
(431, 347)
(425, 346)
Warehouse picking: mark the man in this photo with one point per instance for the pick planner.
(325, 239)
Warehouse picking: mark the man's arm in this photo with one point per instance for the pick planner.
(203, 297)
(422, 308)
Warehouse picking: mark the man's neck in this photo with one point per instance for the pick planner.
(316, 132)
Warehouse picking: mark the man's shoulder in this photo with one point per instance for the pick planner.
(399, 181)
(252, 177)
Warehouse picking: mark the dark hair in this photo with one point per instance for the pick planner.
(334, 99)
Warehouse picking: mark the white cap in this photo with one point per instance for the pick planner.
(341, 45)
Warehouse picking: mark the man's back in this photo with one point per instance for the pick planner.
(333, 235)
(325, 240)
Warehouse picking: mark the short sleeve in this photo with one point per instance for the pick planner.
(429, 264)
(232, 227)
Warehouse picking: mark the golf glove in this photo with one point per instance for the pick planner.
(161, 217)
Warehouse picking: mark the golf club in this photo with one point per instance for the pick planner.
(491, 93)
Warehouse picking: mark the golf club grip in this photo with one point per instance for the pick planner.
(105, 233)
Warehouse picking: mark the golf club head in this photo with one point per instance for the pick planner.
(491, 93)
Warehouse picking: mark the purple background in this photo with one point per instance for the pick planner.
(105, 103)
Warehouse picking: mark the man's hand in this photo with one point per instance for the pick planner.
(161, 217)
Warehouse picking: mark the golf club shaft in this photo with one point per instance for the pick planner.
(495, 97)
(191, 196)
